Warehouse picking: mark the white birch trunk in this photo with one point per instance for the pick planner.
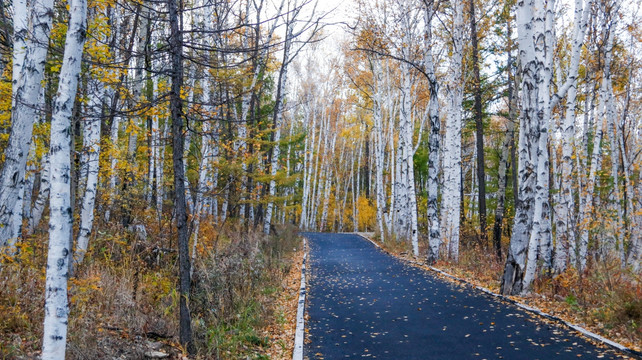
(288, 191)
(606, 99)
(634, 257)
(205, 166)
(392, 168)
(308, 154)
(203, 184)
(153, 153)
(408, 199)
(632, 218)
(327, 187)
(20, 32)
(616, 241)
(16, 223)
(565, 215)
(531, 20)
(587, 209)
(225, 205)
(379, 148)
(43, 196)
(451, 197)
(434, 140)
(215, 160)
(276, 148)
(160, 190)
(24, 110)
(356, 186)
(319, 173)
(60, 222)
(540, 237)
(137, 88)
(91, 134)
(113, 163)
(189, 199)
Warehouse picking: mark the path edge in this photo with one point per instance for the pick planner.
(583, 331)
(299, 333)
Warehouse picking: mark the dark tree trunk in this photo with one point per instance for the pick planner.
(128, 54)
(176, 46)
(509, 141)
(479, 128)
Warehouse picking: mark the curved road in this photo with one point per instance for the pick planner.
(363, 303)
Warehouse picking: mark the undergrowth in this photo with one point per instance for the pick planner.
(234, 290)
(124, 296)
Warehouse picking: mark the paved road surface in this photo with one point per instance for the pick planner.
(363, 303)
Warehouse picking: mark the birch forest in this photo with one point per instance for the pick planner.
(159, 157)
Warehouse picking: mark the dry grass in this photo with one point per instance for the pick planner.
(123, 299)
(236, 294)
(282, 328)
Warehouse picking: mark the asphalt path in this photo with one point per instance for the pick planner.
(364, 303)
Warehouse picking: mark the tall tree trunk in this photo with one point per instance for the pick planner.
(327, 187)
(541, 235)
(160, 189)
(451, 198)
(434, 140)
(408, 203)
(508, 141)
(565, 209)
(379, 146)
(634, 256)
(308, 153)
(502, 180)
(356, 188)
(154, 134)
(278, 119)
(26, 88)
(20, 32)
(60, 221)
(91, 134)
(633, 219)
(530, 25)
(479, 128)
(178, 141)
(113, 162)
(616, 239)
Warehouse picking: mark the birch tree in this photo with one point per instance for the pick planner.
(310, 24)
(26, 89)
(60, 221)
(278, 117)
(605, 96)
(531, 21)
(434, 138)
(379, 145)
(451, 197)
(565, 234)
(91, 135)
(531, 237)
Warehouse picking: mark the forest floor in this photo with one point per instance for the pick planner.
(123, 299)
(605, 299)
(282, 328)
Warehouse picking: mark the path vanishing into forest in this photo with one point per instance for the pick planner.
(364, 303)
